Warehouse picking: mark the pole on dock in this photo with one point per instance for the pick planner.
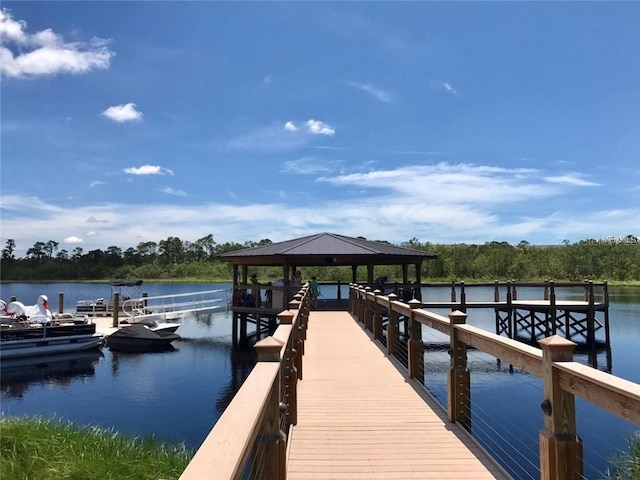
(392, 328)
(268, 350)
(560, 446)
(458, 378)
(416, 347)
(116, 308)
(61, 303)
(377, 316)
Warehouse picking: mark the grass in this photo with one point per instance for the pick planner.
(626, 465)
(44, 449)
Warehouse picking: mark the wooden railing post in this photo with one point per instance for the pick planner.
(458, 379)
(352, 296)
(292, 367)
(362, 298)
(377, 316)
(560, 446)
(416, 349)
(392, 328)
(368, 309)
(268, 350)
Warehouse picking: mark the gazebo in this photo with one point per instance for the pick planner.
(326, 249)
(323, 249)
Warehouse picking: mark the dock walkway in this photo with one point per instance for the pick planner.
(359, 417)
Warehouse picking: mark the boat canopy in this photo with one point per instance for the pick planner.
(127, 283)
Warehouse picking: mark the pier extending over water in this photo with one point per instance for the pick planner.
(277, 426)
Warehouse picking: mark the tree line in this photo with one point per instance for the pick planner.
(612, 258)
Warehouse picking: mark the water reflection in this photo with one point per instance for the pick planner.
(18, 375)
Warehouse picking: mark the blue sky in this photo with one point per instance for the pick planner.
(127, 122)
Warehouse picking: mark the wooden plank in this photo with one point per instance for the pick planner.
(506, 349)
(614, 394)
(358, 417)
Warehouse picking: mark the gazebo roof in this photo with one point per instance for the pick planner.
(325, 249)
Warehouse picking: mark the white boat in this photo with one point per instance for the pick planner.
(23, 339)
(153, 324)
(127, 289)
(140, 338)
(32, 330)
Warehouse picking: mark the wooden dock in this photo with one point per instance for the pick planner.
(358, 417)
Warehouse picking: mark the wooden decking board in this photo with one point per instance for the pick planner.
(359, 418)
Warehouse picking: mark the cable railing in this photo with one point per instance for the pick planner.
(561, 380)
(249, 440)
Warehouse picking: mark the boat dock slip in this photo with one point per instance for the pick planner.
(358, 417)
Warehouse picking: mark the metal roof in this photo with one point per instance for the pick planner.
(327, 249)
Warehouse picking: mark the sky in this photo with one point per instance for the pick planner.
(449, 122)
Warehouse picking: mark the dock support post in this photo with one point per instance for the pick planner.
(268, 350)
(560, 446)
(60, 303)
(458, 379)
(463, 298)
(512, 327)
(234, 330)
(416, 348)
(607, 336)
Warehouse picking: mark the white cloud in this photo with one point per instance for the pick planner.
(171, 191)
(375, 92)
(438, 216)
(445, 183)
(571, 180)
(148, 170)
(96, 183)
(290, 127)
(449, 88)
(46, 52)
(72, 240)
(307, 166)
(319, 128)
(95, 220)
(93, 234)
(123, 113)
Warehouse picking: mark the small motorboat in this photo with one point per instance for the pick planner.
(140, 338)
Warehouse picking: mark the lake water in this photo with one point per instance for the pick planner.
(177, 396)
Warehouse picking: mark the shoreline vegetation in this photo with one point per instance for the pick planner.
(36, 448)
(206, 281)
(615, 259)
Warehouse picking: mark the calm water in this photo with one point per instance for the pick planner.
(177, 396)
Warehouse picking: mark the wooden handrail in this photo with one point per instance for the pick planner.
(224, 452)
(560, 447)
(251, 421)
(613, 394)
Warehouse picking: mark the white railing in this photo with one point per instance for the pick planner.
(169, 307)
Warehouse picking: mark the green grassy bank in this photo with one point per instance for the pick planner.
(44, 449)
